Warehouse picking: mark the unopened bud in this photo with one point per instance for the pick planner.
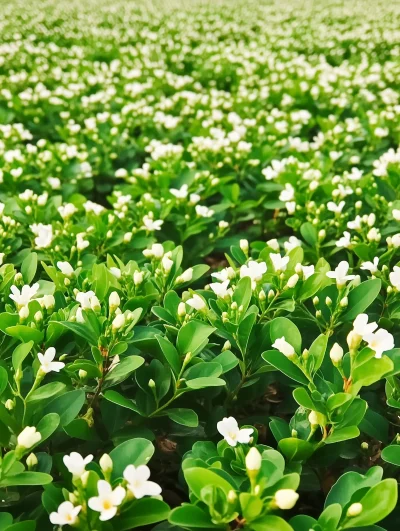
(344, 302)
(336, 354)
(244, 245)
(227, 346)
(31, 461)
(354, 510)
(271, 294)
(328, 301)
(262, 295)
(24, 313)
(253, 460)
(315, 301)
(82, 374)
(181, 309)
(106, 463)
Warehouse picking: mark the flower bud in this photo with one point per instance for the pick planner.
(114, 301)
(344, 302)
(234, 306)
(138, 277)
(328, 301)
(321, 234)
(232, 496)
(118, 322)
(10, 404)
(127, 237)
(38, 316)
(315, 301)
(286, 498)
(152, 384)
(95, 304)
(271, 294)
(227, 346)
(354, 510)
(292, 281)
(244, 245)
(364, 446)
(336, 354)
(353, 340)
(261, 295)
(31, 461)
(106, 463)
(49, 301)
(181, 309)
(253, 460)
(24, 313)
(82, 374)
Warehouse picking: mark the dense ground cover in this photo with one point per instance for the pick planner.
(199, 266)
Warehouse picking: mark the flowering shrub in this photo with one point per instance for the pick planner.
(199, 266)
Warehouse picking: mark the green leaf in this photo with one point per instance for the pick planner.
(361, 297)
(342, 434)
(349, 483)
(242, 293)
(46, 391)
(123, 369)
(25, 479)
(201, 383)
(141, 513)
(29, 267)
(3, 379)
(198, 478)
(183, 416)
(270, 523)
(26, 525)
(282, 327)
(391, 454)
(227, 360)
(20, 353)
(191, 516)
(296, 449)
(81, 329)
(133, 452)
(170, 353)
(370, 372)
(117, 398)
(283, 364)
(378, 502)
(192, 336)
(317, 352)
(25, 333)
(67, 406)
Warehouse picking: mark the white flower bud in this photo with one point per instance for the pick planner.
(227, 346)
(127, 237)
(118, 322)
(82, 374)
(106, 463)
(253, 460)
(181, 309)
(24, 312)
(244, 245)
(95, 303)
(31, 461)
(293, 281)
(336, 353)
(354, 510)
(344, 302)
(286, 498)
(38, 316)
(114, 301)
(138, 277)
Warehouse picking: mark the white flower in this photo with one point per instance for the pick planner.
(196, 302)
(44, 235)
(290, 207)
(254, 270)
(279, 262)
(65, 268)
(340, 274)
(394, 277)
(372, 267)
(380, 341)
(76, 464)
(107, 501)
(81, 243)
(396, 214)
(361, 327)
(28, 437)
(333, 207)
(23, 297)
(287, 194)
(181, 193)
(284, 347)
(229, 429)
(156, 251)
(356, 224)
(46, 361)
(89, 206)
(68, 210)
(274, 244)
(224, 274)
(221, 290)
(84, 298)
(286, 498)
(203, 211)
(66, 514)
(344, 241)
(150, 224)
(138, 484)
(292, 243)
(194, 198)
(307, 271)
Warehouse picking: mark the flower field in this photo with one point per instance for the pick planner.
(199, 265)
